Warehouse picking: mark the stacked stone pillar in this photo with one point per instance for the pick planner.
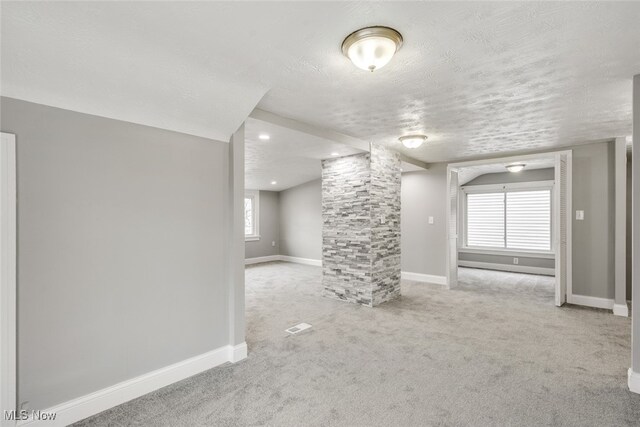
(361, 227)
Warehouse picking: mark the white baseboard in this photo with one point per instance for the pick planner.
(634, 381)
(101, 400)
(621, 310)
(424, 278)
(306, 261)
(285, 258)
(508, 267)
(261, 259)
(237, 352)
(595, 302)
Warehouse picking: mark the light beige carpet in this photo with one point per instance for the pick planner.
(493, 352)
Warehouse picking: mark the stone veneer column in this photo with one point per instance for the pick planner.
(385, 237)
(361, 227)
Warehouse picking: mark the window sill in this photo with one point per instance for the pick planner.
(251, 238)
(508, 252)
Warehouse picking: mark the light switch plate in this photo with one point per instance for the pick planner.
(430, 220)
(579, 215)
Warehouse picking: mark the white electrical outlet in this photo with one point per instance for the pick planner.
(580, 215)
(430, 220)
(515, 261)
(273, 243)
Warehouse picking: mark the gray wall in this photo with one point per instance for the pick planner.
(546, 174)
(635, 236)
(121, 243)
(593, 238)
(424, 245)
(508, 260)
(269, 227)
(301, 221)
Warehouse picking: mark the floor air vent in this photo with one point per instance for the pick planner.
(298, 328)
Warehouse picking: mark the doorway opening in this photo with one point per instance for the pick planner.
(509, 220)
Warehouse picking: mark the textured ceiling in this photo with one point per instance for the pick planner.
(289, 157)
(468, 173)
(477, 77)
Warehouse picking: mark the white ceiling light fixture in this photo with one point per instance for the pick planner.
(413, 141)
(372, 48)
(264, 137)
(334, 154)
(516, 167)
(274, 182)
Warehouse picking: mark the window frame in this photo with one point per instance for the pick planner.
(255, 215)
(506, 188)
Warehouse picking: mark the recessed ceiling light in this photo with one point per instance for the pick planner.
(371, 48)
(334, 154)
(413, 141)
(517, 167)
(274, 182)
(264, 137)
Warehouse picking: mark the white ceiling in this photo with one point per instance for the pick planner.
(478, 78)
(469, 173)
(289, 157)
(408, 167)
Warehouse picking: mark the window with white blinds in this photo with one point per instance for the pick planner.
(529, 220)
(519, 220)
(251, 215)
(485, 220)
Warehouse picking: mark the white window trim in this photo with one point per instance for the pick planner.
(507, 187)
(513, 186)
(509, 252)
(255, 195)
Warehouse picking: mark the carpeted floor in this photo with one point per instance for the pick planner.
(493, 352)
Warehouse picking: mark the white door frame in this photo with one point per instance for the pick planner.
(453, 262)
(8, 321)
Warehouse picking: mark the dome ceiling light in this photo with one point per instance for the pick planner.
(516, 167)
(371, 48)
(413, 141)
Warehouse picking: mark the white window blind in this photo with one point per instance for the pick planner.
(248, 216)
(485, 220)
(519, 220)
(529, 220)
(251, 215)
